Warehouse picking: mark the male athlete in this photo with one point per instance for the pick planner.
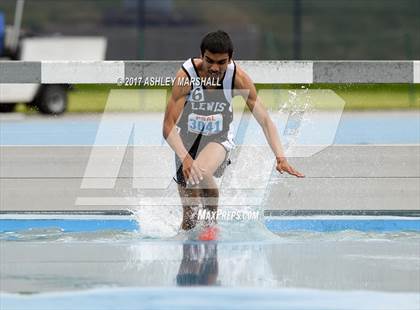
(198, 127)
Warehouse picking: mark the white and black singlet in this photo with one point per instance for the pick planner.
(207, 115)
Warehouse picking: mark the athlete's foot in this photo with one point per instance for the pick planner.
(209, 233)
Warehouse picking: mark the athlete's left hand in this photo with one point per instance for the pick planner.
(284, 166)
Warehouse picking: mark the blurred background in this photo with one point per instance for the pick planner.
(264, 29)
(172, 30)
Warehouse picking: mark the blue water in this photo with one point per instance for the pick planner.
(211, 298)
(354, 128)
(274, 225)
(50, 269)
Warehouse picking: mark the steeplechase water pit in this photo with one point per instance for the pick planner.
(75, 235)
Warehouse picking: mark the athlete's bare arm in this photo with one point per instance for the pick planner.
(244, 82)
(173, 111)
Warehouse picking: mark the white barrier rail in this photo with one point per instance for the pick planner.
(281, 72)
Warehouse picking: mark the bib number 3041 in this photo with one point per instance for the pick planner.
(205, 124)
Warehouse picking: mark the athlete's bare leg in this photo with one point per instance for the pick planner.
(190, 198)
(209, 159)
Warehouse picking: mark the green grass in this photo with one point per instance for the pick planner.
(362, 96)
(95, 98)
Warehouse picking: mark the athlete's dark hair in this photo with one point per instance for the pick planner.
(217, 42)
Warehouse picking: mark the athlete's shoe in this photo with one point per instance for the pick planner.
(209, 234)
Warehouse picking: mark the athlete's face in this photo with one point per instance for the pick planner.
(215, 64)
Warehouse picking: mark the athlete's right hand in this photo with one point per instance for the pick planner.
(192, 172)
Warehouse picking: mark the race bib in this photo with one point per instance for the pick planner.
(207, 125)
